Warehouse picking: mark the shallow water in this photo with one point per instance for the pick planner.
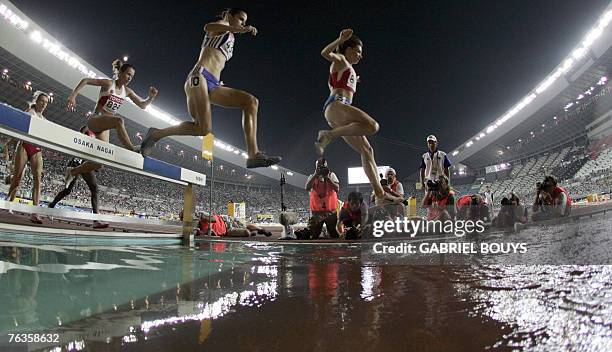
(280, 297)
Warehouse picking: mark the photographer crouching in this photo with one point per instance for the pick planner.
(439, 200)
(511, 214)
(352, 217)
(472, 207)
(392, 186)
(551, 200)
(323, 186)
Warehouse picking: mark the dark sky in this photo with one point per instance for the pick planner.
(442, 67)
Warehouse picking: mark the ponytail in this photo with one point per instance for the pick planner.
(117, 64)
(120, 67)
(230, 11)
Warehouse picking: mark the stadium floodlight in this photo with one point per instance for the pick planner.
(36, 37)
(602, 81)
(491, 129)
(481, 135)
(236, 151)
(274, 167)
(567, 64)
(592, 36)
(244, 155)
(477, 138)
(543, 125)
(520, 140)
(13, 19)
(580, 96)
(547, 83)
(469, 144)
(579, 53)
(125, 58)
(289, 173)
(455, 153)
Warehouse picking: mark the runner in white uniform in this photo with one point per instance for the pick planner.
(28, 153)
(111, 98)
(203, 88)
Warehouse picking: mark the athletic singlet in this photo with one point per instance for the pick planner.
(33, 113)
(110, 101)
(346, 80)
(223, 42)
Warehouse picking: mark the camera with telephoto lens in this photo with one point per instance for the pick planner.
(352, 233)
(474, 201)
(383, 181)
(433, 185)
(323, 170)
(505, 201)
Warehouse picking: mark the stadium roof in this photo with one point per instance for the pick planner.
(546, 116)
(62, 69)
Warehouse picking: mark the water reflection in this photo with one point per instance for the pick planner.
(276, 297)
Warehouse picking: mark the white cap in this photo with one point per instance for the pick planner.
(431, 137)
(391, 169)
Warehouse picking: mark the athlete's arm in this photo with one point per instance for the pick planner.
(100, 82)
(328, 52)
(142, 103)
(222, 27)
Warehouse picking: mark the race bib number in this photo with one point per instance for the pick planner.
(112, 106)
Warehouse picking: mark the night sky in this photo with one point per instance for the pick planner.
(442, 67)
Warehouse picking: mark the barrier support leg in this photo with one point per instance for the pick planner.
(187, 215)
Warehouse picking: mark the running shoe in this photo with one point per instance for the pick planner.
(262, 160)
(148, 143)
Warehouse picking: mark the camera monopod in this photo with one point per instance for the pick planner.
(282, 192)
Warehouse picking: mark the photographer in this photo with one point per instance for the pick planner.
(323, 186)
(472, 207)
(434, 163)
(392, 186)
(439, 200)
(511, 212)
(551, 201)
(488, 198)
(353, 215)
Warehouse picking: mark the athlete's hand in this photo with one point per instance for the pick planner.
(152, 92)
(250, 29)
(346, 34)
(71, 103)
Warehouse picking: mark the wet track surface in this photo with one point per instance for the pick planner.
(278, 297)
